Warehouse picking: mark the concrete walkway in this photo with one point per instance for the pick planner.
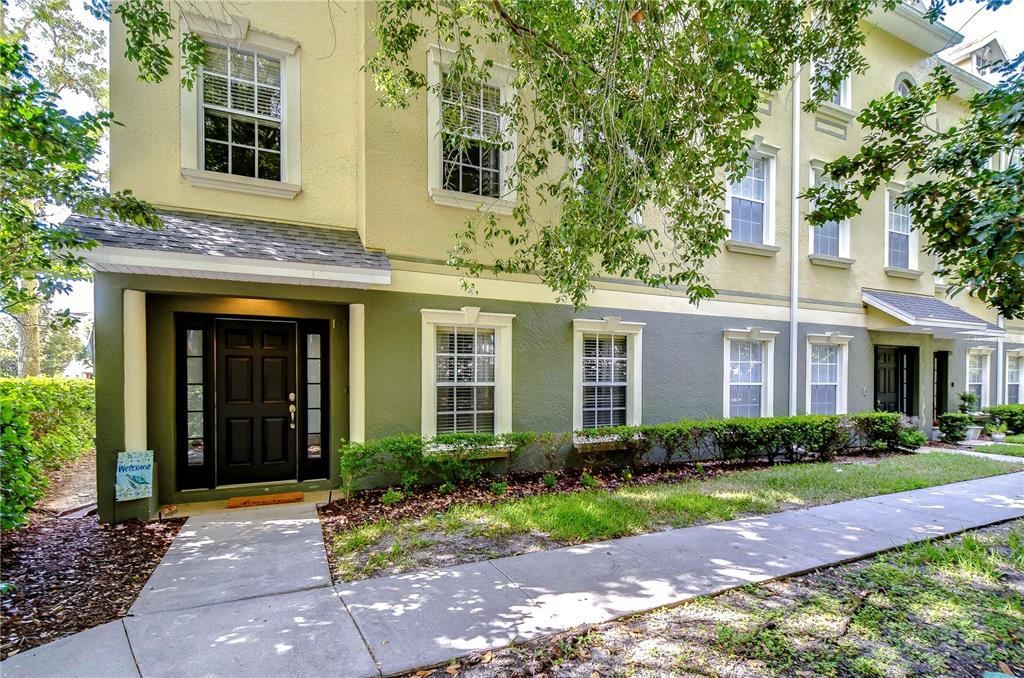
(971, 453)
(248, 592)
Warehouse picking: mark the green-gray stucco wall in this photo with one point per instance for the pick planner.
(682, 362)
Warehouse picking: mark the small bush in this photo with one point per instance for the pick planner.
(1011, 415)
(550, 480)
(881, 430)
(589, 481)
(912, 439)
(499, 488)
(23, 478)
(953, 427)
(392, 496)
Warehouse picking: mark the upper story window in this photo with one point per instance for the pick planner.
(903, 85)
(470, 139)
(900, 249)
(606, 373)
(842, 97)
(750, 202)
(831, 239)
(241, 131)
(240, 124)
(469, 148)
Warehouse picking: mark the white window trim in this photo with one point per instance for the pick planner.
(843, 342)
(767, 337)
(845, 104)
(467, 316)
(986, 367)
(501, 78)
(633, 331)
(818, 167)
(769, 153)
(237, 34)
(1014, 354)
(912, 260)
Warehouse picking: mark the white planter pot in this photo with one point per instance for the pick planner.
(998, 437)
(936, 433)
(973, 432)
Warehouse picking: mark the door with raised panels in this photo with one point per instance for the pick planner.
(255, 407)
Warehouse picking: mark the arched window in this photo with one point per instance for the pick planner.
(904, 83)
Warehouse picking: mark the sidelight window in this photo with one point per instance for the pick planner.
(314, 395)
(195, 397)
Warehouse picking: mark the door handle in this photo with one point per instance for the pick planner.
(291, 412)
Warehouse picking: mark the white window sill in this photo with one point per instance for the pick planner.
(231, 182)
(829, 260)
(755, 248)
(836, 112)
(907, 273)
(471, 201)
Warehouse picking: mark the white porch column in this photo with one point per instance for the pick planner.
(357, 373)
(135, 370)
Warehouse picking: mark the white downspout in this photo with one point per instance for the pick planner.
(1000, 371)
(794, 245)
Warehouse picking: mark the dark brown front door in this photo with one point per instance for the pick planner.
(255, 402)
(886, 379)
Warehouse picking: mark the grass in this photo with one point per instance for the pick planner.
(1019, 439)
(1002, 448)
(597, 514)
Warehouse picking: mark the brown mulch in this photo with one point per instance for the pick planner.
(365, 507)
(70, 487)
(70, 574)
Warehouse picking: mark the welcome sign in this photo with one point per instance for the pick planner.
(134, 475)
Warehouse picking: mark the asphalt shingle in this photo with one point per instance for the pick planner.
(923, 307)
(206, 234)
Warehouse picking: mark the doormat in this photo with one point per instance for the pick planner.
(265, 499)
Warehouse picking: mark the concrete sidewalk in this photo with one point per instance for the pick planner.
(248, 593)
(972, 453)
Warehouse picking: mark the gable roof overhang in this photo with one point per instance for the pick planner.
(920, 314)
(193, 245)
(911, 26)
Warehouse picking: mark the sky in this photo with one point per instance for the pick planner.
(970, 18)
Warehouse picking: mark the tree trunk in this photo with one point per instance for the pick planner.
(29, 348)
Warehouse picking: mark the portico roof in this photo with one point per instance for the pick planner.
(922, 313)
(198, 245)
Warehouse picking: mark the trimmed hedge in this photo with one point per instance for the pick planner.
(953, 427)
(800, 438)
(44, 424)
(1011, 415)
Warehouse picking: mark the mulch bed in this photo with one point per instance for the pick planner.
(365, 507)
(70, 574)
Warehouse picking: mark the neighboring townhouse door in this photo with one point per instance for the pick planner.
(887, 391)
(255, 409)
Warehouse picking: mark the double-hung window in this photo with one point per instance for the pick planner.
(1014, 367)
(465, 379)
(605, 380)
(898, 233)
(748, 372)
(470, 139)
(241, 113)
(831, 239)
(827, 370)
(748, 201)
(466, 376)
(977, 375)
(606, 373)
(842, 96)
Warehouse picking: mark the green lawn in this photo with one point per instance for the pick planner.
(999, 448)
(592, 515)
(1019, 438)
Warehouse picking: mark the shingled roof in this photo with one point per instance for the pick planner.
(919, 309)
(204, 234)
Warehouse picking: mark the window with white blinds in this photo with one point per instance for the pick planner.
(746, 378)
(748, 209)
(1014, 367)
(828, 236)
(465, 379)
(470, 139)
(242, 118)
(605, 379)
(898, 226)
(824, 378)
(977, 376)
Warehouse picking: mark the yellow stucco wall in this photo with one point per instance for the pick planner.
(366, 168)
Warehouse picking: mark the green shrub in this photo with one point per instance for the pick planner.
(953, 427)
(398, 456)
(392, 496)
(879, 430)
(911, 439)
(46, 423)
(499, 488)
(1011, 415)
(589, 481)
(550, 480)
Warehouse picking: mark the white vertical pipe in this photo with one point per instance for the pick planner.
(134, 319)
(794, 245)
(1000, 371)
(357, 373)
